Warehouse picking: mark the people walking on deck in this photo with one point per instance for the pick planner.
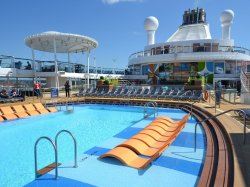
(67, 88)
(37, 87)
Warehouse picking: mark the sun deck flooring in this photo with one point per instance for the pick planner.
(179, 165)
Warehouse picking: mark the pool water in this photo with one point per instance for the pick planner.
(179, 164)
(90, 124)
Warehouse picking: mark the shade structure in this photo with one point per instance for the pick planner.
(65, 42)
(57, 42)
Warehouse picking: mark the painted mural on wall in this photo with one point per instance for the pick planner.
(153, 73)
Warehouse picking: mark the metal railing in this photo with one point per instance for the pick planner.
(55, 150)
(245, 81)
(191, 108)
(146, 105)
(69, 102)
(214, 116)
(75, 144)
(56, 155)
(49, 66)
(160, 50)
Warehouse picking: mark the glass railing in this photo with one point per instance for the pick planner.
(189, 49)
(49, 66)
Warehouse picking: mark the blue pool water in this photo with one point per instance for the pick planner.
(179, 164)
(90, 124)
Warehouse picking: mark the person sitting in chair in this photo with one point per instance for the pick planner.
(4, 94)
(13, 93)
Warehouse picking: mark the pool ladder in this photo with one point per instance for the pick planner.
(54, 144)
(147, 105)
(68, 103)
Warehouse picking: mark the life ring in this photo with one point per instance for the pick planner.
(206, 95)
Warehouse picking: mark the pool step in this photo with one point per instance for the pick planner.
(47, 169)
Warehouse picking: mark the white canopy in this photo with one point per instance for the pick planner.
(191, 32)
(65, 42)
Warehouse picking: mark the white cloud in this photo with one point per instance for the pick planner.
(111, 2)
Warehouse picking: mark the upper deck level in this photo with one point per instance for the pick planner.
(203, 50)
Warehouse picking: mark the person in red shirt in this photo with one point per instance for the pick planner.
(37, 87)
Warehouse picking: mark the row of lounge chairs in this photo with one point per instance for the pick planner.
(11, 96)
(148, 144)
(21, 111)
(158, 93)
(246, 111)
(11, 99)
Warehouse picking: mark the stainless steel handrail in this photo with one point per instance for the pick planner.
(147, 105)
(156, 106)
(191, 110)
(67, 102)
(75, 144)
(214, 116)
(56, 155)
(52, 102)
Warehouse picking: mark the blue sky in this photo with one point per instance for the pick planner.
(116, 24)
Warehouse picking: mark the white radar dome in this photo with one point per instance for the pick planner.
(151, 23)
(227, 16)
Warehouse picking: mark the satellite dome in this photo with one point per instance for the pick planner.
(227, 16)
(151, 23)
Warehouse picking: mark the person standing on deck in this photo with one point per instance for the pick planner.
(37, 87)
(67, 88)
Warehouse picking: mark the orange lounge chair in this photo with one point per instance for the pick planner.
(157, 129)
(149, 140)
(169, 120)
(158, 137)
(20, 111)
(163, 132)
(51, 109)
(154, 135)
(128, 157)
(8, 113)
(141, 144)
(139, 147)
(167, 127)
(164, 126)
(31, 110)
(40, 107)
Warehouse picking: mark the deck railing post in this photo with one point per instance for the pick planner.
(215, 116)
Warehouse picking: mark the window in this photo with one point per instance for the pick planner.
(219, 68)
(144, 69)
(248, 68)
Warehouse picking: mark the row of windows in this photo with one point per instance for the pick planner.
(230, 67)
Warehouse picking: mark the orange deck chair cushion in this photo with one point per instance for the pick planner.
(20, 111)
(31, 110)
(8, 113)
(128, 157)
(40, 107)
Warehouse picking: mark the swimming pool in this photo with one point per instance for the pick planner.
(90, 124)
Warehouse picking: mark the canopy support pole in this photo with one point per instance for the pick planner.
(88, 69)
(34, 63)
(56, 66)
